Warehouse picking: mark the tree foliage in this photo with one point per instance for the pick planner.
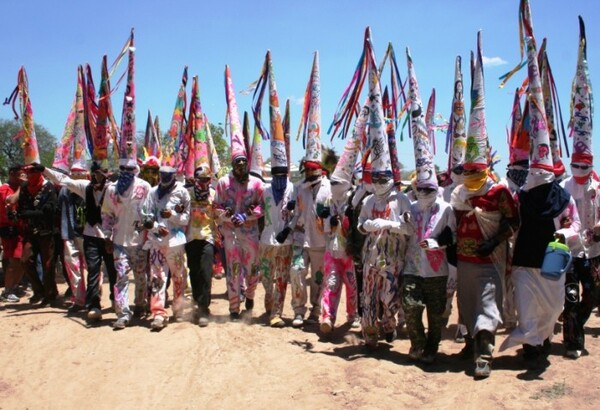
(11, 152)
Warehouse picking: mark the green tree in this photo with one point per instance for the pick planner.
(11, 152)
(222, 147)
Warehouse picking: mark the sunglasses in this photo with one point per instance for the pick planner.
(581, 167)
(130, 169)
(458, 170)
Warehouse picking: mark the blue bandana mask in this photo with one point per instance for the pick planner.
(278, 184)
(124, 182)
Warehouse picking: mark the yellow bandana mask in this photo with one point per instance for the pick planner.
(473, 182)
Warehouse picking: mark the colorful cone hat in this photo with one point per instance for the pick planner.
(104, 127)
(279, 159)
(377, 139)
(128, 143)
(540, 156)
(151, 139)
(171, 154)
(286, 132)
(256, 158)
(547, 84)
(457, 137)
(391, 133)
(71, 149)
(198, 152)
(581, 105)
(90, 109)
(27, 135)
(519, 136)
(310, 125)
(238, 146)
(424, 167)
(215, 163)
(344, 169)
(476, 156)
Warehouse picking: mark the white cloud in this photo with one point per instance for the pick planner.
(295, 100)
(493, 61)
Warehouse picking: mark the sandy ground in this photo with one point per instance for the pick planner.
(52, 360)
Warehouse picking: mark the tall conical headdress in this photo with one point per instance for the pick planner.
(128, 143)
(171, 153)
(105, 130)
(238, 147)
(519, 135)
(286, 132)
(71, 149)
(256, 158)
(457, 137)
(198, 150)
(476, 156)
(390, 130)
(582, 108)
(279, 160)
(425, 169)
(151, 139)
(540, 156)
(310, 124)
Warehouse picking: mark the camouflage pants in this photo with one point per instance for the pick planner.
(417, 294)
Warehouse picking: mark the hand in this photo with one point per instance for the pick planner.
(560, 237)
(228, 212)
(238, 219)
(291, 205)
(372, 225)
(179, 208)
(108, 246)
(424, 244)
(445, 238)
(407, 217)
(486, 247)
(282, 236)
(166, 213)
(163, 231)
(250, 210)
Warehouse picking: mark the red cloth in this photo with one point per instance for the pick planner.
(5, 192)
(498, 198)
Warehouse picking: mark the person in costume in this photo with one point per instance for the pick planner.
(546, 211)
(239, 203)
(425, 275)
(582, 284)
(11, 236)
(166, 214)
(310, 199)
(486, 216)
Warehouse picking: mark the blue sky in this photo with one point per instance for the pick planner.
(52, 37)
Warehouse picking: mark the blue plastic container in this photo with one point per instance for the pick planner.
(557, 260)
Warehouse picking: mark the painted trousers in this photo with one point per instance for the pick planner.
(380, 302)
(302, 258)
(241, 268)
(417, 294)
(76, 268)
(338, 271)
(275, 261)
(162, 260)
(585, 273)
(130, 259)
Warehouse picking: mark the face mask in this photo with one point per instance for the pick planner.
(278, 185)
(475, 181)
(581, 176)
(383, 189)
(425, 199)
(124, 182)
(167, 178)
(240, 170)
(518, 176)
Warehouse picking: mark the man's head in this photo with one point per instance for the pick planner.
(581, 167)
(312, 171)
(149, 171)
(202, 177)
(382, 183)
(166, 175)
(240, 168)
(16, 175)
(475, 178)
(78, 172)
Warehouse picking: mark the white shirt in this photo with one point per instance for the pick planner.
(176, 223)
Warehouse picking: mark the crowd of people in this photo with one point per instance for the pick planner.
(396, 250)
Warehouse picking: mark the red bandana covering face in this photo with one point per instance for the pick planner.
(34, 182)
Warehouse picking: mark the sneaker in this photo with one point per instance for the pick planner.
(234, 317)
(159, 323)
(277, 321)
(203, 321)
(355, 323)
(298, 321)
(573, 354)
(415, 353)
(427, 358)
(36, 298)
(483, 369)
(249, 304)
(326, 327)
(391, 336)
(313, 318)
(9, 298)
(94, 314)
(120, 323)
